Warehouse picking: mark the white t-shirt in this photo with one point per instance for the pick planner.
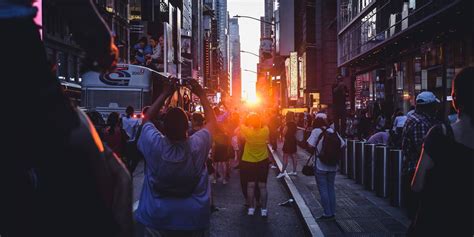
(399, 122)
(130, 126)
(313, 138)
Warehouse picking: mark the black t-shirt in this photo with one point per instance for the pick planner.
(446, 200)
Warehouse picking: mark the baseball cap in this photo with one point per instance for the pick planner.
(321, 115)
(426, 97)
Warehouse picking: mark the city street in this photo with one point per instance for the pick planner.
(358, 211)
(231, 219)
(380, 92)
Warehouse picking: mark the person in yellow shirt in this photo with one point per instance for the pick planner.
(254, 165)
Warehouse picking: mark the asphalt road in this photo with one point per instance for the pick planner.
(232, 220)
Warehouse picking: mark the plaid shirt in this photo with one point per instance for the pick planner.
(416, 127)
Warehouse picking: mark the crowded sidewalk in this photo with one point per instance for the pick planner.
(358, 212)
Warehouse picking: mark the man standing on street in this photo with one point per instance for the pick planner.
(416, 127)
(339, 93)
(175, 198)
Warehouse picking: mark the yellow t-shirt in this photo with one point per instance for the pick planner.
(255, 149)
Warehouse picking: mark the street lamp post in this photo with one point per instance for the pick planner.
(250, 71)
(253, 18)
(254, 54)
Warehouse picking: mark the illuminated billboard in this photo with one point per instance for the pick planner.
(291, 65)
(294, 75)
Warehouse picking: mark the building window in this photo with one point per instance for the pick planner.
(349, 9)
(368, 29)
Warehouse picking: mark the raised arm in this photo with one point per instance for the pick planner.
(169, 87)
(211, 121)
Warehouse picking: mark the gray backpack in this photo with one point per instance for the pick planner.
(176, 178)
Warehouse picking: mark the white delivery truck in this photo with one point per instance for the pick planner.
(128, 85)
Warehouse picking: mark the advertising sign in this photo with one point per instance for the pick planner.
(185, 46)
(292, 75)
(266, 45)
(169, 49)
(186, 29)
(178, 43)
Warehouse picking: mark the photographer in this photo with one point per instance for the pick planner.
(64, 182)
(176, 178)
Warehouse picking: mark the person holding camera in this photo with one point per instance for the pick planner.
(65, 182)
(176, 178)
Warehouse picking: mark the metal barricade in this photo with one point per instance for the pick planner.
(381, 171)
(360, 162)
(344, 166)
(396, 181)
(369, 176)
(351, 159)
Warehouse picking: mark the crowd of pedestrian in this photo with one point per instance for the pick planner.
(434, 150)
(73, 172)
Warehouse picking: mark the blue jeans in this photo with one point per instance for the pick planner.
(325, 181)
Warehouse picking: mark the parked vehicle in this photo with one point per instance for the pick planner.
(132, 85)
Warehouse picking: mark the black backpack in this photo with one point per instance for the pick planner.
(331, 149)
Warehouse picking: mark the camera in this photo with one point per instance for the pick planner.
(183, 82)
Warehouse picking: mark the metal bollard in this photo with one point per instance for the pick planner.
(360, 162)
(396, 181)
(344, 159)
(381, 171)
(369, 152)
(351, 159)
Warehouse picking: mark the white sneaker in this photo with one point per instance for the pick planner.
(273, 167)
(251, 211)
(280, 175)
(293, 173)
(264, 212)
(224, 181)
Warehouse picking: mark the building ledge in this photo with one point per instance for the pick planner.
(397, 36)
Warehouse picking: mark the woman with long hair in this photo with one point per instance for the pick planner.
(289, 145)
(444, 172)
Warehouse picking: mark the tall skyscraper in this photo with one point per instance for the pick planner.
(236, 80)
(267, 28)
(198, 39)
(222, 17)
(222, 30)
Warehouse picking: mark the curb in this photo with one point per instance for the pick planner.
(303, 209)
